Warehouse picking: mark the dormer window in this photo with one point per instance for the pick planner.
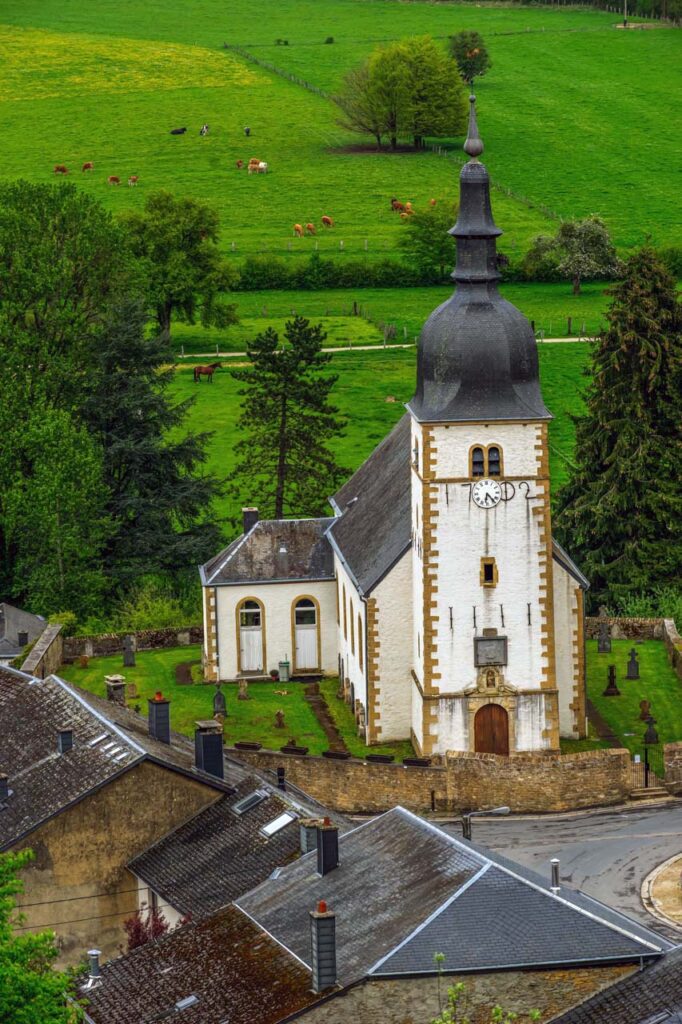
(485, 460)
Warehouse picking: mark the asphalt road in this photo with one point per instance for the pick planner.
(606, 853)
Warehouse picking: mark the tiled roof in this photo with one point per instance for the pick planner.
(274, 549)
(405, 890)
(220, 854)
(651, 996)
(107, 740)
(14, 621)
(374, 526)
(236, 972)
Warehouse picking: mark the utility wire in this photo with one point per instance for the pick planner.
(70, 899)
(79, 920)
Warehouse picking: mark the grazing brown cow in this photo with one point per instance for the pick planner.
(397, 206)
(133, 179)
(310, 228)
(408, 208)
(328, 222)
(240, 164)
(113, 179)
(298, 230)
(432, 202)
(404, 216)
(254, 165)
(88, 166)
(61, 169)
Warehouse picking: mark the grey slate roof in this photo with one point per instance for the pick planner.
(257, 556)
(14, 621)
(397, 893)
(220, 855)
(651, 996)
(108, 740)
(374, 531)
(236, 972)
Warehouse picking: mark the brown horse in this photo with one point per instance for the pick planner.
(205, 371)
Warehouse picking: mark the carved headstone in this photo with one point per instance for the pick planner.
(243, 690)
(650, 736)
(279, 720)
(604, 639)
(633, 666)
(611, 689)
(644, 710)
(129, 651)
(219, 702)
(360, 718)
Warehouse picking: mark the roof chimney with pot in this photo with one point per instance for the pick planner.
(95, 976)
(308, 834)
(208, 748)
(159, 717)
(22, 638)
(323, 947)
(250, 517)
(556, 883)
(4, 788)
(327, 847)
(64, 740)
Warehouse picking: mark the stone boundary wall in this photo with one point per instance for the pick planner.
(145, 640)
(643, 629)
(46, 655)
(672, 760)
(525, 783)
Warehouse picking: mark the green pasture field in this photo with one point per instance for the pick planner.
(341, 331)
(569, 114)
(366, 381)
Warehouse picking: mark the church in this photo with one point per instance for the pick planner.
(435, 589)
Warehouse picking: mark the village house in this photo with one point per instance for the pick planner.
(91, 787)
(351, 930)
(17, 629)
(436, 590)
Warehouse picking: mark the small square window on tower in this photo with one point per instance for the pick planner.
(489, 574)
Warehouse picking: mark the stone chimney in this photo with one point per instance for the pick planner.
(249, 517)
(308, 833)
(116, 689)
(159, 717)
(323, 947)
(208, 748)
(327, 847)
(64, 740)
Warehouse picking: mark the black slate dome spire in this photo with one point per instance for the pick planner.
(477, 358)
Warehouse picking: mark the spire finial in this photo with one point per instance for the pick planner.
(473, 146)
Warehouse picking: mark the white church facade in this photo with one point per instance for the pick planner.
(435, 591)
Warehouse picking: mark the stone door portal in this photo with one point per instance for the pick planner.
(491, 730)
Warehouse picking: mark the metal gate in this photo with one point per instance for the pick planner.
(648, 769)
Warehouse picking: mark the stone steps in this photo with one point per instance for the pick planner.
(651, 793)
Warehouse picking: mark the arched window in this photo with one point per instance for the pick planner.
(360, 645)
(494, 461)
(306, 638)
(250, 636)
(338, 604)
(352, 628)
(345, 615)
(477, 462)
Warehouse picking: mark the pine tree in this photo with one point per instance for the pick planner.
(286, 466)
(620, 515)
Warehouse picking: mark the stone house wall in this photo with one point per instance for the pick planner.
(524, 782)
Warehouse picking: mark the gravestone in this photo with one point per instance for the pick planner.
(279, 720)
(611, 689)
(650, 736)
(644, 710)
(243, 690)
(129, 651)
(219, 702)
(633, 666)
(604, 639)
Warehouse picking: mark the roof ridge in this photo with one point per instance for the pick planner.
(96, 714)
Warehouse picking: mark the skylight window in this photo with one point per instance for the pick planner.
(184, 1004)
(278, 824)
(98, 739)
(248, 802)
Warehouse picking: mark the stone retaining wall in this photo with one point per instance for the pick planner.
(145, 640)
(672, 760)
(46, 655)
(525, 783)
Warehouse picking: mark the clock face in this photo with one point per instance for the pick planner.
(486, 493)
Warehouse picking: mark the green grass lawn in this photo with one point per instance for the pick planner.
(567, 114)
(366, 380)
(658, 684)
(246, 720)
(344, 721)
(341, 331)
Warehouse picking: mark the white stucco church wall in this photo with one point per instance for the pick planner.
(393, 623)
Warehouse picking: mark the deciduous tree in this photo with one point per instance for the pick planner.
(176, 240)
(31, 991)
(620, 515)
(286, 423)
(426, 242)
(580, 250)
(470, 55)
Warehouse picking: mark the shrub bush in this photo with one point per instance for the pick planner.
(69, 620)
(672, 257)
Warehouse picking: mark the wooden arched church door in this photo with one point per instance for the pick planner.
(491, 730)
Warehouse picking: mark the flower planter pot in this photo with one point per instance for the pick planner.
(380, 758)
(336, 755)
(247, 745)
(417, 762)
(289, 748)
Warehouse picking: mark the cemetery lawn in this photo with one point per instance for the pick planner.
(344, 720)
(658, 684)
(246, 720)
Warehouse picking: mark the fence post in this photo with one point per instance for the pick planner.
(570, 324)
(646, 767)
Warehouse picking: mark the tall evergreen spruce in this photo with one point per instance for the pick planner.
(621, 512)
(159, 496)
(286, 423)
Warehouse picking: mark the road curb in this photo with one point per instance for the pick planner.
(653, 905)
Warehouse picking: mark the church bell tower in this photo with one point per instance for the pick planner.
(483, 644)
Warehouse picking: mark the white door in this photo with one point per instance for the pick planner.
(305, 625)
(251, 637)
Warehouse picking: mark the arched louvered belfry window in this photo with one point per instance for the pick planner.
(494, 461)
(477, 462)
